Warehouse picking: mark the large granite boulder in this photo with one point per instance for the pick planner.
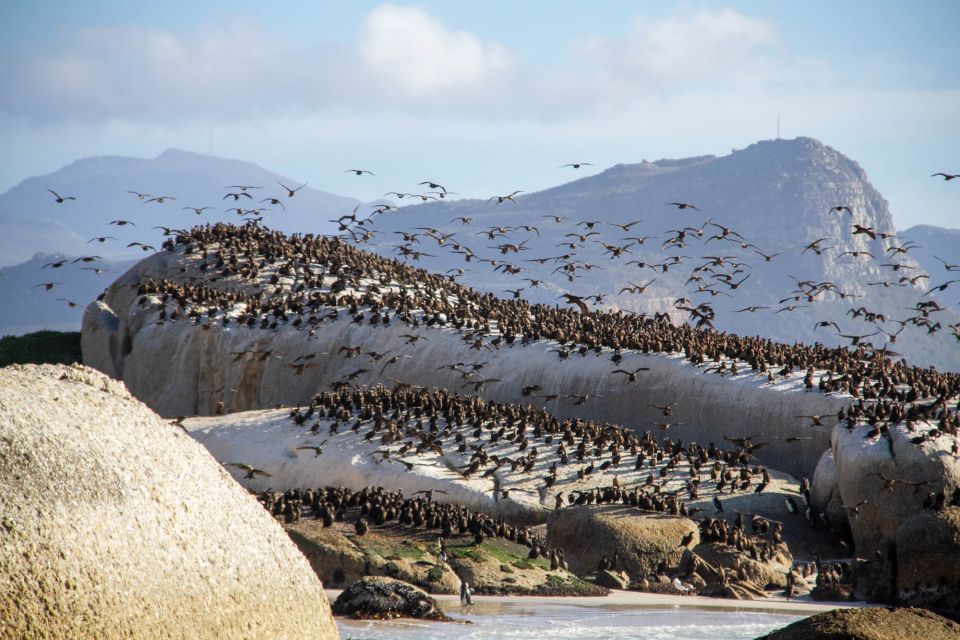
(928, 560)
(825, 493)
(641, 542)
(116, 524)
(185, 367)
(869, 624)
(380, 598)
(881, 482)
(771, 574)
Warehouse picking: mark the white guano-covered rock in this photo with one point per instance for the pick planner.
(181, 368)
(116, 524)
(863, 462)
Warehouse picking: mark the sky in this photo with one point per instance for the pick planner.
(488, 97)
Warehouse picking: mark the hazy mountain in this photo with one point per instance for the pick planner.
(32, 221)
(777, 195)
(937, 244)
(28, 308)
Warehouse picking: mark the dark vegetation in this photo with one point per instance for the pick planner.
(41, 347)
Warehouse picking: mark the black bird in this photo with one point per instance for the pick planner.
(684, 205)
(359, 172)
(60, 199)
(631, 375)
(292, 192)
(576, 165)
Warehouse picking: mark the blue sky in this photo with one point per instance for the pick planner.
(484, 97)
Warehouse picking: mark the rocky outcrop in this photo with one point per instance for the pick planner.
(184, 368)
(379, 598)
(116, 524)
(880, 488)
(765, 575)
(881, 482)
(825, 493)
(641, 543)
(495, 567)
(928, 561)
(869, 624)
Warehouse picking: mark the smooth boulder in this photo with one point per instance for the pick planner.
(928, 560)
(640, 542)
(115, 523)
(869, 624)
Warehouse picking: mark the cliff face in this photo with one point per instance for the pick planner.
(777, 195)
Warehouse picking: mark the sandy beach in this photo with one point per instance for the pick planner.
(635, 599)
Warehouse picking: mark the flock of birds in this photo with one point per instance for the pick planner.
(515, 449)
(722, 273)
(252, 277)
(263, 280)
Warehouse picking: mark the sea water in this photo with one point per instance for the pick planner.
(572, 622)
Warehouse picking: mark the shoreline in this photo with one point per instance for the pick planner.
(632, 600)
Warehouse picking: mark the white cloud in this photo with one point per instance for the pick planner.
(421, 56)
(153, 75)
(678, 49)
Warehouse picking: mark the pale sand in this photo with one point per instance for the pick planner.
(636, 599)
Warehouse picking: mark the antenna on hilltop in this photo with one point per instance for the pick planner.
(778, 126)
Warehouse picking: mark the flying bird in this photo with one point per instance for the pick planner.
(501, 199)
(631, 375)
(251, 471)
(575, 165)
(359, 172)
(291, 192)
(60, 199)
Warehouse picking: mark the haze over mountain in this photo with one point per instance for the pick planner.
(28, 308)
(773, 198)
(32, 221)
(937, 245)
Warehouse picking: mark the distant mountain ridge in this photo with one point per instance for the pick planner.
(31, 221)
(779, 195)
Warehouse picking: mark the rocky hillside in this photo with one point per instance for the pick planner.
(748, 250)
